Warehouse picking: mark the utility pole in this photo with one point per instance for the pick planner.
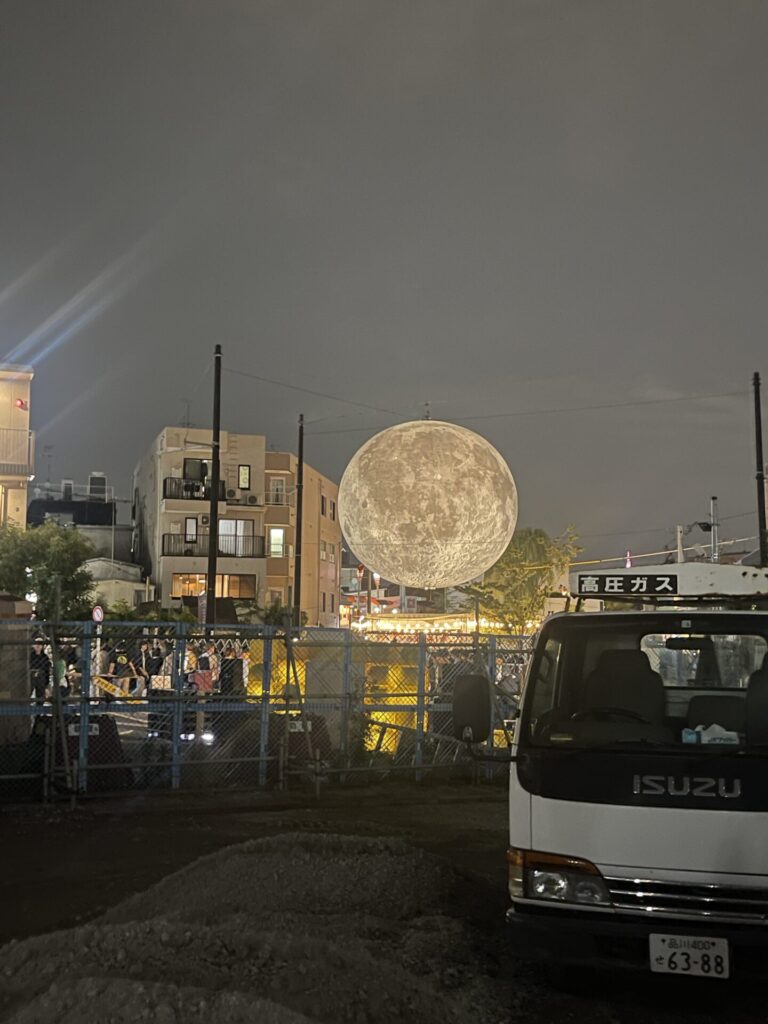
(760, 475)
(299, 526)
(213, 529)
(714, 525)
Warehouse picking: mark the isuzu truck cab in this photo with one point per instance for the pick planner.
(638, 789)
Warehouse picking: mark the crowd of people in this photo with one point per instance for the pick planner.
(138, 668)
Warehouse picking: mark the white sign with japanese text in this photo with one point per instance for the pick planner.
(640, 583)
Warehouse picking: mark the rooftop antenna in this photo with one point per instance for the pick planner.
(427, 411)
(186, 423)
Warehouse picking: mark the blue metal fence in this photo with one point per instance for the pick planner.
(168, 705)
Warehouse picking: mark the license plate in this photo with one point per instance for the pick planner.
(693, 955)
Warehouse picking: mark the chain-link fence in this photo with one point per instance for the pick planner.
(126, 706)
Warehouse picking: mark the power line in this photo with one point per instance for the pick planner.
(641, 531)
(311, 391)
(645, 554)
(551, 411)
(606, 405)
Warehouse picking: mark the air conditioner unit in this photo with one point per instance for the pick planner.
(205, 520)
(97, 486)
(231, 493)
(252, 499)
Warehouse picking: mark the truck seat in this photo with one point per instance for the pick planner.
(757, 705)
(625, 679)
(726, 710)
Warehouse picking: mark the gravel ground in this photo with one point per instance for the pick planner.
(302, 926)
(384, 906)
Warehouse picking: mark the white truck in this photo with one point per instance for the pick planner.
(638, 789)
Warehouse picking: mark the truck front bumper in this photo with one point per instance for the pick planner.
(581, 938)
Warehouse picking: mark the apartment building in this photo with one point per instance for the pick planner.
(257, 523)
(321, 539)
(17, 449)
(172, 493)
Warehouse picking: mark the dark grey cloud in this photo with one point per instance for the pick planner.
(491, 206)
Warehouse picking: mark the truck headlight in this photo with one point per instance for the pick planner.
(555, 878)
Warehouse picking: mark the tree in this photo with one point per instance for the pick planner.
(47, 561)
(515, 590)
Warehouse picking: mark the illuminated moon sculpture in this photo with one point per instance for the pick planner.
(428, 504)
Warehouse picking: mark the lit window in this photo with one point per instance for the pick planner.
(244, 478)
(323, 551)
(190, 530)
(331, 552)
(276, 491)
(276, 542)
(236, 537)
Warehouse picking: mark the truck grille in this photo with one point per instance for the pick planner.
(726, 903)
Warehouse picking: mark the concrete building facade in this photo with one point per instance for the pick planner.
(115, 581)
(257, 523)
(321, 539)
(17, 443)
(172, 491)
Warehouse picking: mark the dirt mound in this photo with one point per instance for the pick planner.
(301, 872)
(292, 928)
(116, 1001)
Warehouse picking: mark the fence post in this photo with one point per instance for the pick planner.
(346, 696)
(177, 720)
(492, 658)
(490, 667)
(266, 690)
(85, 711)
(421, 698)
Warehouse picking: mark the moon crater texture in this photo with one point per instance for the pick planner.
(428, 504)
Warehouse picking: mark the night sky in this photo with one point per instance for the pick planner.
(497, 207)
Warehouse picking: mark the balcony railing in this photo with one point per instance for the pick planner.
(15, 451)
(189, 490)
(176, 545)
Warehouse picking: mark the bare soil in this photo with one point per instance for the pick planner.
(378, 904)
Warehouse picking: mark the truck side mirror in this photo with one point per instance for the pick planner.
(472, 708)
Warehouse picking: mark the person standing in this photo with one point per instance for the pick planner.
(40, 670)
(121, 668)
(143, 665)
(231, 669)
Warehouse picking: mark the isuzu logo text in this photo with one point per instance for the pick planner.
(685, 785)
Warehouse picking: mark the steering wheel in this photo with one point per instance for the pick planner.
(608, 713)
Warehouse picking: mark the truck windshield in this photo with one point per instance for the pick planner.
(650, 680)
